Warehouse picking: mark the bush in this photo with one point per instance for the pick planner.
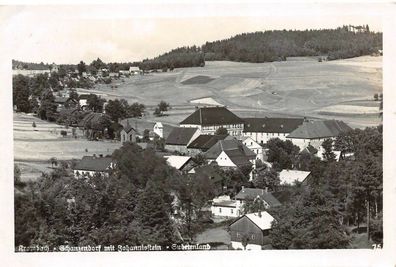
(63, 133)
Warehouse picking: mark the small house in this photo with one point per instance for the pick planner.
(223, 206)
(181, 163)
(250, 232)
(158, 129)
(128, 133)
(251, 194)
(89, 166)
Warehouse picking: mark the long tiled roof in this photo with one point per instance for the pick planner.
(207, 116)
(90, 163)
(252, 193)
(205, 141)
(271, 125)
(180, 136)
(319, 129)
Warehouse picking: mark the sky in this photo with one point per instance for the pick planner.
(127, 33)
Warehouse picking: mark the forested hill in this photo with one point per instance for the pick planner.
(343, 42)
(177, 58)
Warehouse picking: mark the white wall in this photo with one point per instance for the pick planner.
(224, 161)
(225, 211)
(263, 138)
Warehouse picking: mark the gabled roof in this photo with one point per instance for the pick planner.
(127, 128)
(228, 145)
(61, 100)
(180, 136)
(205, 141)
(83, 96)
(90, 118)
(212, 116)
(319, 129)
(177, 162)
(91, 163)
(263, 219)
(238, 157)
(290, 176)
(252, 193)
(271, 125)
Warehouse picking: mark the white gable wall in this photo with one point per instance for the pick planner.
(224, 161)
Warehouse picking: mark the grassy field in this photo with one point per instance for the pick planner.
(297, 87)
(33, 147)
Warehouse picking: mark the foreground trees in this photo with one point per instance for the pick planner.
(59, 209)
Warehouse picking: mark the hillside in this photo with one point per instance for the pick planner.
(343, 42)
(296, 87)
(268, 46)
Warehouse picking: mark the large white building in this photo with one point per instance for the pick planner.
(209, 119)
(315, 132)
(263, 129)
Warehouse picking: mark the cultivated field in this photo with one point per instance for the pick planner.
(33, 147)
(297, 87)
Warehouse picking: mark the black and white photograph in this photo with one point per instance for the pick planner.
(195, 128)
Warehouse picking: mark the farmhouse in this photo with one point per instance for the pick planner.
(128, 133)
(250, 194)
(179, 138)
(315, 132)
(203, 142)
(83, 101)
(209, 119)
(181, 163)
(158, 129)
(223, 206)
(263, 129)
(251, 230)
(134, 70)
(231, 154)
(289, 177)
(89, 166)
(254, 146)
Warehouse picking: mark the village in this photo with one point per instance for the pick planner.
(249, 162)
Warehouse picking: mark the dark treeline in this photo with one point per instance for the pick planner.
(277, 45)
(177, 58)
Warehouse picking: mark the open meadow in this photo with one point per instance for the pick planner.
(337, 89)
(34, 146)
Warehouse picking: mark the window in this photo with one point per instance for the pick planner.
(130, 138)
(252, 237)
(219, 210)
(232, 211)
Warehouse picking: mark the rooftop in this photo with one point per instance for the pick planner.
(228, 145)
(290, 176)
(207, 116)
(92, 163)
(205, 141)
(180, 136)
(252, 193)
(319, 129)
(177, 162)
(263, 219)
(271, 125)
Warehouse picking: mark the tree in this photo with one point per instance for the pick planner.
(116, 110)
(53, 161)
(146, 135)
(267, 179)
(95, 103)
(221, 131)
(81, 67)
(47, 110)
(328, 153)
(34, 124)
(308, 223)
(20, 93)
(282, 153)
(163, 106)
(376, 97)
(153, 216)
(136, 110)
